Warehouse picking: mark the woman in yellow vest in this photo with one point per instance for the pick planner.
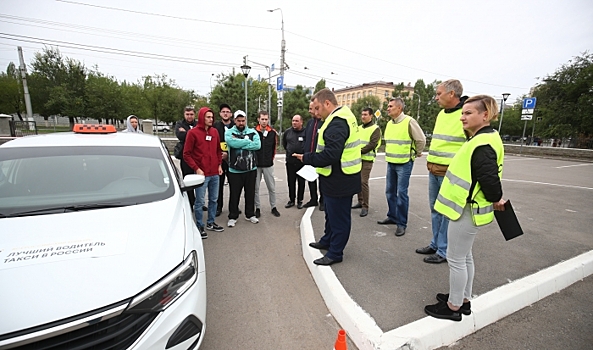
(470, 192)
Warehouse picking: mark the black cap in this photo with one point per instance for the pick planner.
(224, 105)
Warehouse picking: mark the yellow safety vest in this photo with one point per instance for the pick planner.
(399, 146)
(365, 137)
(454, 193)
(447, 138)
(350, 160)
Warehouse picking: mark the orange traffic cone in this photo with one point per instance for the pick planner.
(341, 341)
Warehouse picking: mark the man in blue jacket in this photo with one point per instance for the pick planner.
(242, 143)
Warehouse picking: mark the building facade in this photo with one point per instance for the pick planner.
(347, 96)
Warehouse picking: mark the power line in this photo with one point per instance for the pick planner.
(162, 15)
(302, 36)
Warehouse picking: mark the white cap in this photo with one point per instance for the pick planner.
(239, 113)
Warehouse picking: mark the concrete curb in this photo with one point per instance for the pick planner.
(429, 332)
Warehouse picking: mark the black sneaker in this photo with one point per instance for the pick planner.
(202, 232)
(466, 308)
(204, 208)
(442, 311)
(309, 204)
(218, 212)
(290, 204)
(274, 212)
(214, 227)
(257, 213)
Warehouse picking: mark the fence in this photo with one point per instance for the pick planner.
(22, 128)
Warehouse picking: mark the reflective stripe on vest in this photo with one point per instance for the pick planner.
(447, 138)
(398, 142)
(365, 137)
(350, 160)
(454, 193)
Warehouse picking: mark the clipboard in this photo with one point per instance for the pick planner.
(508, 222)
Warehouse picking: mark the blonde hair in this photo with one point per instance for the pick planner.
(485, 103)
(325, 95)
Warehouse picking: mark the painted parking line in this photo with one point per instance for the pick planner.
(570, 166)
(548, 184)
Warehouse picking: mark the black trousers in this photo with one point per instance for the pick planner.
(186, 170)
(225, 169)
(313, 192)
(293, 178)
(239, 182)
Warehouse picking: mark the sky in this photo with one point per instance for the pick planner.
(492, 47)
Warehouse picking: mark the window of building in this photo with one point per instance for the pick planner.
(358, 96)
(386, 93)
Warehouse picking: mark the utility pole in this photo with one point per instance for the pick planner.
(23, 69)
(282, 66)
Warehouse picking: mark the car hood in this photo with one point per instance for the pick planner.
(57, 266)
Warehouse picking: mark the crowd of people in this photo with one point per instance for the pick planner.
(464, 166)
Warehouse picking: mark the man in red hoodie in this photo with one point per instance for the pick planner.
(203, 154)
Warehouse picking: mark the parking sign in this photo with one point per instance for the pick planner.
(280, 83)
(529, 103)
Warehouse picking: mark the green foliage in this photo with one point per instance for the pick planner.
(11, 99)
(319, 86)
(565, 99)
(164, 99)
(295, 102)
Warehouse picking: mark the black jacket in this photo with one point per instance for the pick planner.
(485, 170)
(185, 125)
(337, 184)
(218, 125)
(265, 155)
(293, 142)
(312, 133)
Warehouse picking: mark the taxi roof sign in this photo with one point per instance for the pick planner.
(94, 129)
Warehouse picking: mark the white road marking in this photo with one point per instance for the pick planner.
(570, 166)
(549, 184)
(570, 211)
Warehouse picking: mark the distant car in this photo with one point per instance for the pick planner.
(161, 128)
(98, 245)
(506, 137)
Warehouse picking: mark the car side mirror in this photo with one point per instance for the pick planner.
(192, 181)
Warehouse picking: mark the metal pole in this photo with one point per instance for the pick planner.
(283, 49)
(245, 63)
(522, 137)
(23, 69)
(501, 116)
(532, 129)
(269, 90)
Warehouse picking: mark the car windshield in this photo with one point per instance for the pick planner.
(44, 180)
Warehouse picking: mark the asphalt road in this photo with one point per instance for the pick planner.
(261, 294)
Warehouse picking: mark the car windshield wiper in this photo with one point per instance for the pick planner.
(65, 209)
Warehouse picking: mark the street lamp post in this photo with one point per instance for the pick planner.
(418, 115)
(504, 99)
(269, 84)
(211, 83)
(245, 69)
(282, 64)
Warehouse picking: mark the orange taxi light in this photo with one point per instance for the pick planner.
(93, 129)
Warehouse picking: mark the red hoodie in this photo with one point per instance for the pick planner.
(202, 147)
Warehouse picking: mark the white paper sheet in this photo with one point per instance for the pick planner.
(308, 173)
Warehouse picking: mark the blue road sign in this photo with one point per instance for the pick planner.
(280, 83)
(529, 103)
(272, 69)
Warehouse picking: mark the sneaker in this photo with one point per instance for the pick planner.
(204, 208)
(218, 212)
(275, 212)
(309, 204)
(442, 311)
(257, 213)
(290, 204)
(214, 227)
(231, 222)
(466, 308)
(202, 232)
(253, 219)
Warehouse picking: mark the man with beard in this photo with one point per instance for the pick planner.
(242, 143)
(225, 123)
(181, 129)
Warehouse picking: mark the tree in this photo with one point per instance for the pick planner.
(565, 99)
(164, 99)
(319, 86)
(104, 98)
(295, 102)
(373, 102)
(11, 98)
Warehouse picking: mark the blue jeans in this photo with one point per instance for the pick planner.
(338, 222)
(396, 191)
(210, 184)
(440, 223)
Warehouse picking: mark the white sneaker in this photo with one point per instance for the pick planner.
(253, 219)
(231, 223)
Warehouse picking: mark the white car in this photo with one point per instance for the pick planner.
(98, 246)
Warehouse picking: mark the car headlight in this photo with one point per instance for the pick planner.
(164, 293)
